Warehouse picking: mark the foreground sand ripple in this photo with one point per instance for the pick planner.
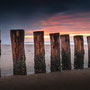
(65, 80)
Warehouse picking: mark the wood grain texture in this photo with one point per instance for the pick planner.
(55, 52)
(79, 52)
(88, 41)
(66, 54)
(17, 41)
(39, 52)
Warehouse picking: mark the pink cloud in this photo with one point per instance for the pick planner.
(66, 23)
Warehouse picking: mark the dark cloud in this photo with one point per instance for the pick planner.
(26, 7)
(21, 11)
(26, 14)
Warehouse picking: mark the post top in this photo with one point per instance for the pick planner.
(78, 36)
(54, 33)
(38, 32)
(17, 30)
(64, 35)
(88, 36)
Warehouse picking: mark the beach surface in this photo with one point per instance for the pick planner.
(6, 60)
(64, 80)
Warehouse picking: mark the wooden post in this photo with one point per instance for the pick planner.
(0, 42)
(66, 55)
(0, 53)
(0, 66)
(79, 52)
(17, 41)
(55, 52)
(39, 56)
(88, 41)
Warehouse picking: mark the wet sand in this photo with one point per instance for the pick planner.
(6, 61)
(65, 80)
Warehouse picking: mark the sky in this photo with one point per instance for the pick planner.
(51, 16)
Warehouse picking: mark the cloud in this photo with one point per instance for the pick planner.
(29, 7)
(47, 15)
(72, 23)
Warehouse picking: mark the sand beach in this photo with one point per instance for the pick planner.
(65, 80)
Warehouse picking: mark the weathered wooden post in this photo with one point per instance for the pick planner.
(55, 52)
(0, 42)
(39, 52)
(0, 66)
(88, 41)
(79, 52)
(17, 41)
(66, 54)
(0, 53)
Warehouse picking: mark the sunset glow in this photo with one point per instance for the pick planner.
(47, 36)
(31, 36)
(72, 24)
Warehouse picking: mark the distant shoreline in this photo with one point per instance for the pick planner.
(25, 44)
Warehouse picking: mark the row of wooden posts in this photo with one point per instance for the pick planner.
(18, 52)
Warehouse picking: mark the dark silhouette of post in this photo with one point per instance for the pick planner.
(0, 66)
(39, 52)
(88, 41)
(55, 52)
(0, 42)
(66, 55)
(17, 41)
(0, 52)
(79, 52)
